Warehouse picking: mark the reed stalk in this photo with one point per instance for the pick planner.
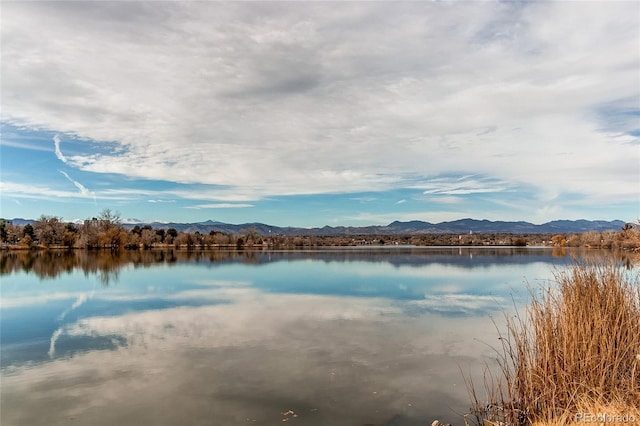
(575, 352)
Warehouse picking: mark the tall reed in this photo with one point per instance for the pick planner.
(576, 350)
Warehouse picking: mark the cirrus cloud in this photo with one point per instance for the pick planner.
(264, 99)
(220, 206)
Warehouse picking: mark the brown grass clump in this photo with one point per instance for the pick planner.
(577, 350)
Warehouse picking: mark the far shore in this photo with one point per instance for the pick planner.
(585, 240)
(108, 232)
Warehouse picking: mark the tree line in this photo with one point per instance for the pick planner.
(107, 232)
(103, 232)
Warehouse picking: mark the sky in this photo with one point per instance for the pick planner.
(320, 113)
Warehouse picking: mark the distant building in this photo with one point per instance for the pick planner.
(92, 222)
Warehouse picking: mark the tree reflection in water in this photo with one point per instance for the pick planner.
(47, 264)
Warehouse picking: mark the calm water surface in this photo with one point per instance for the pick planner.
(326, 337)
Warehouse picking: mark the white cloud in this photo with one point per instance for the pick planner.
(22, 190)
(54, 339)
(445, 199)
(387, 218)
(40, 192)
(220, 206)
(322, 99)
(299, 350)
(463, 185)
(33, 191)
(161, 201)
(22, 145)
(60, 330)
(364, 199)
(460, 303)
(81, 187)
(56, 144)
(35, 299)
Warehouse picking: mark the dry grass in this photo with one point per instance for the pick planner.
(577, 350)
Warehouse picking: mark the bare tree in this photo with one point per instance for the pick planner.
(49, 230)
(251, 236)
(108, 220)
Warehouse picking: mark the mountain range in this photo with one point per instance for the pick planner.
(461, 226)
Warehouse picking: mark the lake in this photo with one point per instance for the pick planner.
(351, 336)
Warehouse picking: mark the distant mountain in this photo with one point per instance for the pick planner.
(461, 226)
(21, 222)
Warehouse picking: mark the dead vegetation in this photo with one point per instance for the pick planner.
(574, 353)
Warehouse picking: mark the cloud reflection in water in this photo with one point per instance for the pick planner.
(232, 343)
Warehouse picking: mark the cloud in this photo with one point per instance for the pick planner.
(464, 185)
(56, 144)
(459, 304)
(54, 339)
(161, 201)
(220, 206)
(83, 190)
(364, 199)
(317, 99)
(21, 301)
(60, 330)
(22, 190)
(314, 354)
(23, 145)
(386, 218)
(447, 199)
(15, 189)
